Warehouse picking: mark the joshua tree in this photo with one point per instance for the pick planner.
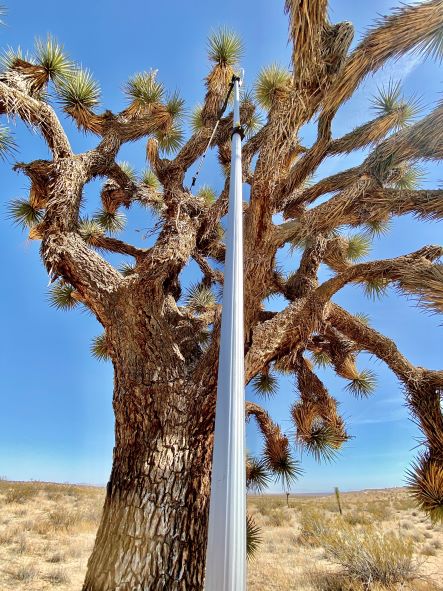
(164, 346)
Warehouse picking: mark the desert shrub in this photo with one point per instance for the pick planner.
(404, 503)
(314, 526)
(369, 555)
(357, 518)
(58, 577)
(379, 510)
(428, 550)
(60, 519)
(25, 573)
(21, 493)
(8, 536)
(277, 518)
(56, 557)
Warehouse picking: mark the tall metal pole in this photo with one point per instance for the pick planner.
(226, 552)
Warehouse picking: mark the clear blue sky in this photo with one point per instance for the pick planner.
(55, 400)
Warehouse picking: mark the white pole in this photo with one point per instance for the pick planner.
(226, 552)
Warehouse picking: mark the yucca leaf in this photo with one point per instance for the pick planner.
(253, 536)
(110, 221)
(409, 177)
(363, 385)
(388, 98)
(207, 194)
(60, 296)
(175, 106)
(321, 358)
(199, 298)
(99, 348)
(49, 55)
(272, 81)
(128, 170)
(433, 45)
(79, 90)
(425, 481)
(11, 56)
(144, 89)
(324, 441)
(7, 144)
(170, 140)
(364, 318)
(359, 245)
(150, 180)
(279, 461)
(24, 214)
(378, 227)
(375, 288)
(197, 119)
(257, 475)
(90, 230)
(265, 384)
(224, 47)
(126, 269)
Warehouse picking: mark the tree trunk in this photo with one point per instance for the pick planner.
(153, 529)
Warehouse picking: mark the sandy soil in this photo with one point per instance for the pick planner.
(47, 532)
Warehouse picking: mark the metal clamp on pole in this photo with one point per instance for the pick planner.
(226, 551)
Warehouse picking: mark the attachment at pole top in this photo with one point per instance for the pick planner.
(240, 75)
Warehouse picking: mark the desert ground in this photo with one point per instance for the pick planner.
(380, 541)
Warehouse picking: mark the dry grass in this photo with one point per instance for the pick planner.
(47, 532)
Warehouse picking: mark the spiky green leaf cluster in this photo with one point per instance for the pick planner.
(363, 318)
(10, 57)
(150, 180)
(110, 221)
(99, 348)
(410, 177)
(175, 106)
(171, 140)
(126, 269)
(321, 359)
(377, 227)
(265, 384)
(253, 537)
(324, 441)
(390, 100)
(60, 296)
(224, 47)
(144, 88)
(128, 170)
(258, 478)
(24, 214)
(49, 55)
(79, 90)
(199, 298)
(207, 194)
(363, 385)
(425, 481)
(359, 246)
(432, 46)
(252, 123)
(90, 230)
(375, 288)
(285, 468)
(196, 118)
(272, 80)
(7, 144)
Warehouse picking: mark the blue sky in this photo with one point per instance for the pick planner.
(56, 419)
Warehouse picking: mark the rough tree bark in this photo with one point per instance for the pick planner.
(164, 348)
